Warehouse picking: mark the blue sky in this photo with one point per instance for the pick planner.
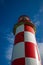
(10, 10)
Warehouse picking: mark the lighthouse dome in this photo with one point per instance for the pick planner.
(23, 18)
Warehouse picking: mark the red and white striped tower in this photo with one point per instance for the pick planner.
(25, 51)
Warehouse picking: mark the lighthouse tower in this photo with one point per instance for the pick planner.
(25, 50)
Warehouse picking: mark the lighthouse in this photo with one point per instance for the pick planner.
(25, 49)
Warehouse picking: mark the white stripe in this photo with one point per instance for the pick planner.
(31, 61)
(36, 54)
(18, 51)
(29, 37)
(19, 29)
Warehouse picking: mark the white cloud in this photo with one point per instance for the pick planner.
(37, 23)
(41, 9)
(37, 16)
(36, 20)
(41, 48)
(9, 52)
(10, 37)
(40, 45)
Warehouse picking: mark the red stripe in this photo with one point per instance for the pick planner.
(30, 50)
(29, 28)
(19, 37)
(20, 61)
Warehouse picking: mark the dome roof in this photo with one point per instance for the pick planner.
(23, 18)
